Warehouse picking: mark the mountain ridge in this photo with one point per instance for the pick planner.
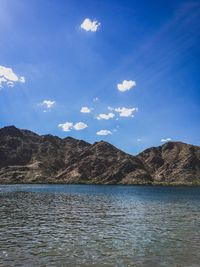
(27, 157)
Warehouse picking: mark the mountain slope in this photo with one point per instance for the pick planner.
(26, 157)
(173, 162)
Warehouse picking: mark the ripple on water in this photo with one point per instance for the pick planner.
(99, 226)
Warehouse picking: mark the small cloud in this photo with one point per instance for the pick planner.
(79, 126)
(104, 132)
(126, 85)
(66, 127)
(48, 104)
(165, 140)
(138, 140)
(10, 84)
(89, 25)
(8, 77)
(85, 110)
(105, 116)
(126, 112)
(95, 99)
(22, 79)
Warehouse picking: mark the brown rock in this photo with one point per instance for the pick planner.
(26, 157)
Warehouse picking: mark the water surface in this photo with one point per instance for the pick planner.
(80, 225)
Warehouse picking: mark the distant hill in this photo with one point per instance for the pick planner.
(26, 157)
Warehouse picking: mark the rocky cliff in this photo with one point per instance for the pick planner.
(26, 157)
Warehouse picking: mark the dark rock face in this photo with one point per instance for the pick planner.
(26, 157)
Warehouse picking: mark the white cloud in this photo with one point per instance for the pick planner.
(126, 85)
(8, 77)
(138, 140)
(10, 84)
(126, 112)
(85, 110)
(8, 74)
(22, 79)
(165, 140)
(48, 104)
(104, 132)
(79, 126)
(89, 25)
(105, 116)
(66, 127)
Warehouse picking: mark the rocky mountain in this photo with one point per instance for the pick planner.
(26, 157)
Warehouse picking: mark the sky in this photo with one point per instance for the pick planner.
(123, 71)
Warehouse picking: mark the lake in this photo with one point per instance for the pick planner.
(88, 225)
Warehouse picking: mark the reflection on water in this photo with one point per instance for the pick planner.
(69, 225)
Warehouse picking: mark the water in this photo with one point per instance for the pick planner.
(80, 225)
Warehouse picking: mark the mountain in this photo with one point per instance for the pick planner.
(26, 157)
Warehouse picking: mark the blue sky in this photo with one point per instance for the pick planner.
(133, 64)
